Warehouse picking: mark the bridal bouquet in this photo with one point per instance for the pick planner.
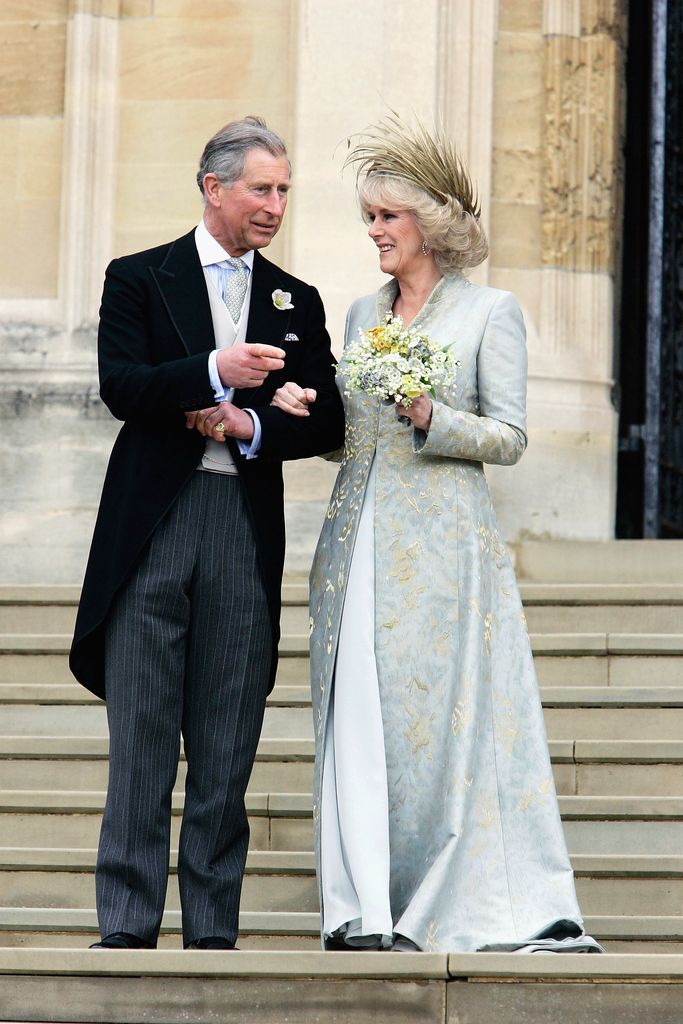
(396, 363)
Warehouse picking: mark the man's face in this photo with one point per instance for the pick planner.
(248, 214)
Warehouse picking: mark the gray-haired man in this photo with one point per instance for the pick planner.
(178, 623)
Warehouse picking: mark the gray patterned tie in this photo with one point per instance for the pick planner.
(235, 286)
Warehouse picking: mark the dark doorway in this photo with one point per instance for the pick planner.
(650, 356)
(632, 350)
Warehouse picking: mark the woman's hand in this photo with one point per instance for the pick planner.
(419, 412)
(293, 399)
(221, 421)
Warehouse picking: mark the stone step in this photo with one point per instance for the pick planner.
(71, 923)
(302, 862)
(299, 695)
(294, 645)
(265, 893)
(584, 618)
(558, 644)
(79, 826)
(53, 670)
(294, 593)
(634, 767)
(71, 763)
(301, 987)
(566, 719)
(35, 618)
(282, 821)
(34, 937)
(71, 693)
(91, 720)
(298, 805)
(601, 594)
(542, 617)
(554, 668)
(581, 767)
(285, 882)
(75, 927)
(603, 562)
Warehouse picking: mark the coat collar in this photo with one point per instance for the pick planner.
(180, 280)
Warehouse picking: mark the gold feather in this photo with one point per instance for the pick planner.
(428, 160)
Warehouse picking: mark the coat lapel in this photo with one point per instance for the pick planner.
(267, 323)
(181, 281)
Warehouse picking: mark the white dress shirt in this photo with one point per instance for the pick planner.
(217, 457)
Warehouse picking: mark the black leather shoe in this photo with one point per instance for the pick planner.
(121, 940)
(211, 942)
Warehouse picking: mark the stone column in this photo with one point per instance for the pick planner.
(465, 69)
(89, 160)
(556, 207)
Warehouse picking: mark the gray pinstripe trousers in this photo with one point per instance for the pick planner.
(188, 650)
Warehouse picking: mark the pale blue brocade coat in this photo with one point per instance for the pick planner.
(477, 849)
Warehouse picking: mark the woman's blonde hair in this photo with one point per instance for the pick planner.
(407, 167)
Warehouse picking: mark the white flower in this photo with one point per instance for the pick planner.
(282, 300)
(395, 363)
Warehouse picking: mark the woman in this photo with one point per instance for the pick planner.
(436, 817)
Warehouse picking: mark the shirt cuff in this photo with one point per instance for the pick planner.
(221, 393)
(251, 448)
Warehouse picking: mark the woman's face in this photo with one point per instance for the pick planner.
(398, 239)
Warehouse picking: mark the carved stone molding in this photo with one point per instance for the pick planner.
(582, 163)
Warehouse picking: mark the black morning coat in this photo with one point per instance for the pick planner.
(154, 339)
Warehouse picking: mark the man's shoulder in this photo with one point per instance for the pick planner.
(280, 278)
(157, 254)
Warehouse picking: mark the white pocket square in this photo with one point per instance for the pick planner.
(291, 337)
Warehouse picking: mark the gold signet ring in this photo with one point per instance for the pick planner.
(220, 427)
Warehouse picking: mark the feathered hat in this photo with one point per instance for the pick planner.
(426, 159)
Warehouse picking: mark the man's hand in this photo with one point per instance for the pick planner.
(235, 422)
(293, 399)
(247, 366)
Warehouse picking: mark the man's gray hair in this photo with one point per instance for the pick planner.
(225, 153)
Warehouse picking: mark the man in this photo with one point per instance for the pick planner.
(178, 623)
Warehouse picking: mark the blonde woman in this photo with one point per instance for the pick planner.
(436, 817)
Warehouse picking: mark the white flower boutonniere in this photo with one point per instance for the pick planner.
(282, 300)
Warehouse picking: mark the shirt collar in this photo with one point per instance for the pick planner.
(211, 251)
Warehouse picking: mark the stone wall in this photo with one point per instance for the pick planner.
(104, 108)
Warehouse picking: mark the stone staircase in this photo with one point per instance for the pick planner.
(608, 645)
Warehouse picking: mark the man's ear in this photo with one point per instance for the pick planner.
(212, 189)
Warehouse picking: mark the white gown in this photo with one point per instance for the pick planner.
(354, 808)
